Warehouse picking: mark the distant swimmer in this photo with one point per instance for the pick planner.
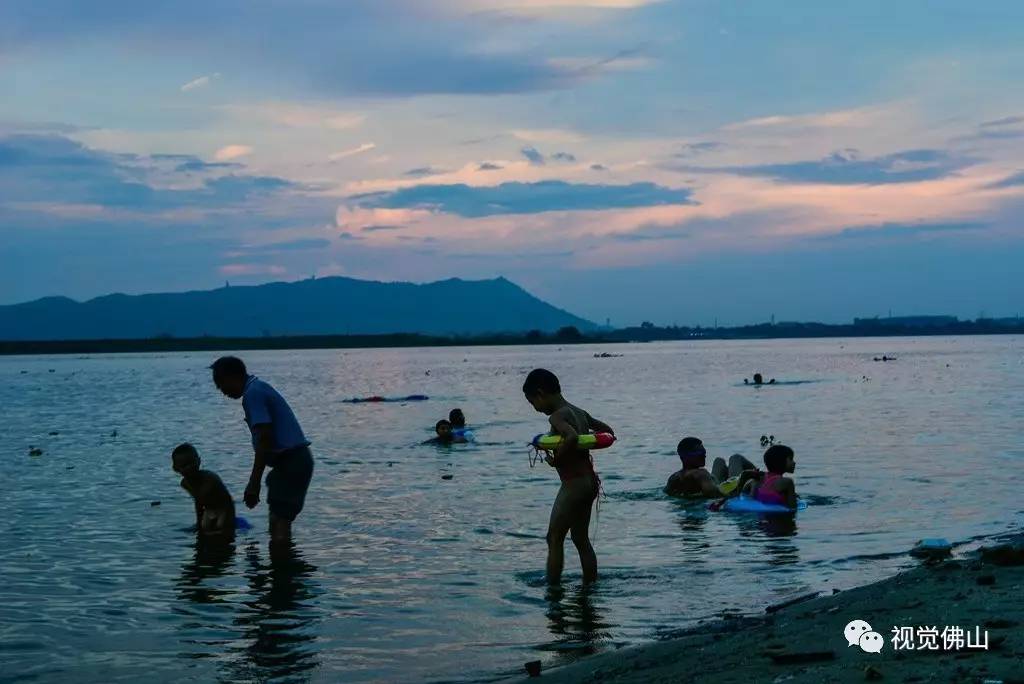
(758, 381)
(443, 428)
(694, 480)
(460, 432)
(448, 434)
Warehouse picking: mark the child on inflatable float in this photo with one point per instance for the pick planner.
(694, 480)
(766, 492)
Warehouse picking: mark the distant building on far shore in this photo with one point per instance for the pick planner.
(908, 321)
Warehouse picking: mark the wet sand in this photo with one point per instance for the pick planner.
(980, 591)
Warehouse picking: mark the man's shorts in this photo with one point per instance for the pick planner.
(288, 481)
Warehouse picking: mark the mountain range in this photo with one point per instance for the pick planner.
(318, 306)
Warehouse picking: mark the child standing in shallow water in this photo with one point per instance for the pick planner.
(580, 485)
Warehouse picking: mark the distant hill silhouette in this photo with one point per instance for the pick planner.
(319, 306)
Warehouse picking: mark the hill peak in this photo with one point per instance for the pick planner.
(315, 306)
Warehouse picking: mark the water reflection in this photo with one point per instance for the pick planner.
(210, 560)
(575, 619)
(204, 598)
(278, 620)
(779, 525)
(674, 565)
(773, 535)
(694, 538)
(271, 627)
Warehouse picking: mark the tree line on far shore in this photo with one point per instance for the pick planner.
(645, 332)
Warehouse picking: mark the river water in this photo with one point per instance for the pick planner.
(399, 575)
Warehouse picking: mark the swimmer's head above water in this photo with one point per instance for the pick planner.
(692, 453)
(457, 418)
(443, 429)
(779, 459)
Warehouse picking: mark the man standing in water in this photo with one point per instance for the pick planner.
(277, 441)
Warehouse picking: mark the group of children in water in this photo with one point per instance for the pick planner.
(282, 447)
(452, 430)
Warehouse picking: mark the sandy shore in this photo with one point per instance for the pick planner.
(804, 642)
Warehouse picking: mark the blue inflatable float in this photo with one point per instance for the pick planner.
(242, 524)
(463, 434)
(745, 504)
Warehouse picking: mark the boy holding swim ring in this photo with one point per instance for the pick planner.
(570, 512)
(695, 481)
(215, 511)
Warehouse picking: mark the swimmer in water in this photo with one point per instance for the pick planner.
(694, 480)
(460, 432)
(580, 485)
(444, 433)
(215, 511)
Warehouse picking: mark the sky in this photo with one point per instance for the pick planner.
(677, 161)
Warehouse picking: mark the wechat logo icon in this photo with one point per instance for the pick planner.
(859, 633)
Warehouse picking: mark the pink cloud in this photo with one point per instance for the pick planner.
(67, 211)
(252, 269)
(733, 213)
(229, 152)
(859, 117)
